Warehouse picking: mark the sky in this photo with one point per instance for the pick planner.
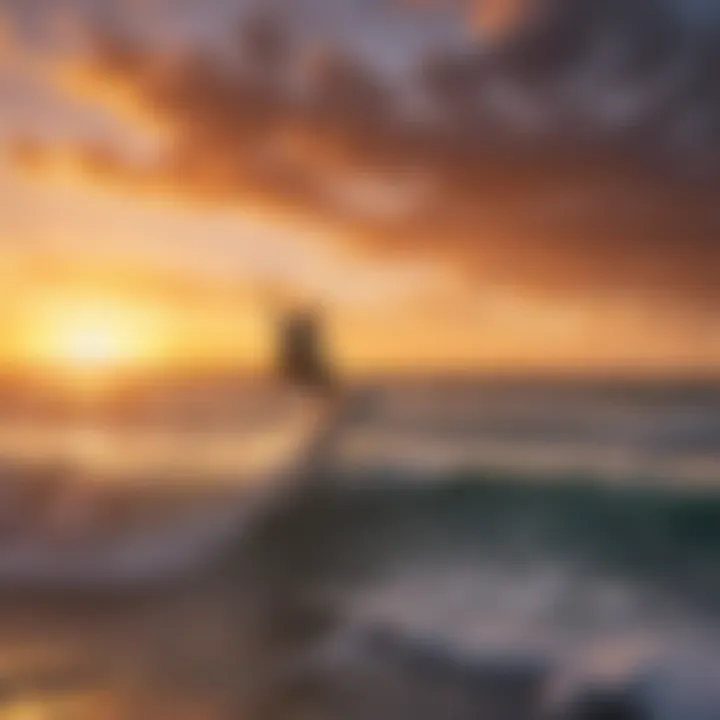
(459, 184)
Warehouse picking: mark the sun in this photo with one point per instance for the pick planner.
(96, 343)
(94, 333)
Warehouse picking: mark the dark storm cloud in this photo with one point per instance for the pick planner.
(619, 67)
(579, 154)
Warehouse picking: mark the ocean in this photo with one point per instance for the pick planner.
(568, 526)
(654, 431)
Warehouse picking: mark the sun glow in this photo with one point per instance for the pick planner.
(94, 334)
(94, 343)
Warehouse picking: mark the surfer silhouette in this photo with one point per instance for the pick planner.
(302, 357)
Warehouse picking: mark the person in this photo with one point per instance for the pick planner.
(302, 358)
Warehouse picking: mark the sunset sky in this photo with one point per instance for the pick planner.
(461, 184)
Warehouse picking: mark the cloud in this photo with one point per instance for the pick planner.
(577, 155)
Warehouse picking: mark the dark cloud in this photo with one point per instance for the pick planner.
(577, 155)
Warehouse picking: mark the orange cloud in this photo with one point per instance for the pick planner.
(573, 210)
